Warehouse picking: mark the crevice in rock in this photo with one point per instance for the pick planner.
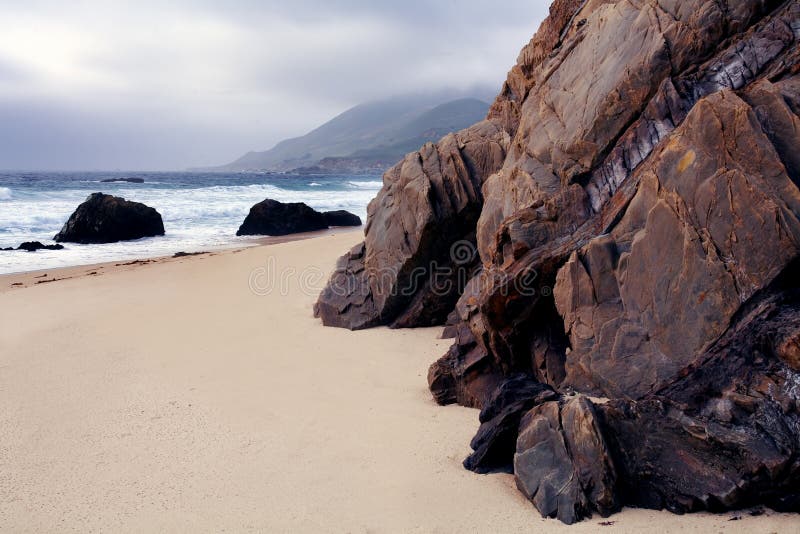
(648, 219)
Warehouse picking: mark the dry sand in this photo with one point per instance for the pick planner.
(170, 396)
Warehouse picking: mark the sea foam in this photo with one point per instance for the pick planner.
(200, 212)
(366, 185)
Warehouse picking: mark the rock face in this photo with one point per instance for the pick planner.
(274, 218)
(107, 219)
(422, 223)
(633, 206)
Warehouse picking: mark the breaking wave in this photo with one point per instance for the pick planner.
(366, 185)
(200, 212)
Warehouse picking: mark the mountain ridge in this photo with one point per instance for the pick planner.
(369, 137)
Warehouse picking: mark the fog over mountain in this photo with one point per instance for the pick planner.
(141, 85)
(369, 137)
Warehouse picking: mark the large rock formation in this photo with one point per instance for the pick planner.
(107, 219)
(633, 202)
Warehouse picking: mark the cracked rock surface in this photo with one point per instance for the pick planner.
(629, 322)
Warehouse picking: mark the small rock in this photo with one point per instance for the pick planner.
(32, 246)
(495, 442)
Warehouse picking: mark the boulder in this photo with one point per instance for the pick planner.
(32, 246)
(341, 218)
(108, 219)
(563, 464)
(496, 440)
(274, 218)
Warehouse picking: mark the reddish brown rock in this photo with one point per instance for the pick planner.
(421, 224)
(466, 375)
(506, 108)
(500, 329)
(788, 349)
(640, 302)
(638, 229)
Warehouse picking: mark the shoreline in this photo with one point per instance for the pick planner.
(200, 212)
(22, 279)
(172, 396)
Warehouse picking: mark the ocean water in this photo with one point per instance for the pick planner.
(201, 211)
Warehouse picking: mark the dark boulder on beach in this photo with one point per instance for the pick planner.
(108, 219)
(32, 246)
(341, 218)
(495, 442)
(632, 331)
(562, 462)
(274, 218)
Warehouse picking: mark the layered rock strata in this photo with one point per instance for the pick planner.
(630, 328)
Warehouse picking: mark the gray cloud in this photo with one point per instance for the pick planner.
(162, 85)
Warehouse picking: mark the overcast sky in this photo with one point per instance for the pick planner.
(160, 85)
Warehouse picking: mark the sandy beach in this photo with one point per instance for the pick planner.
(199, 394)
